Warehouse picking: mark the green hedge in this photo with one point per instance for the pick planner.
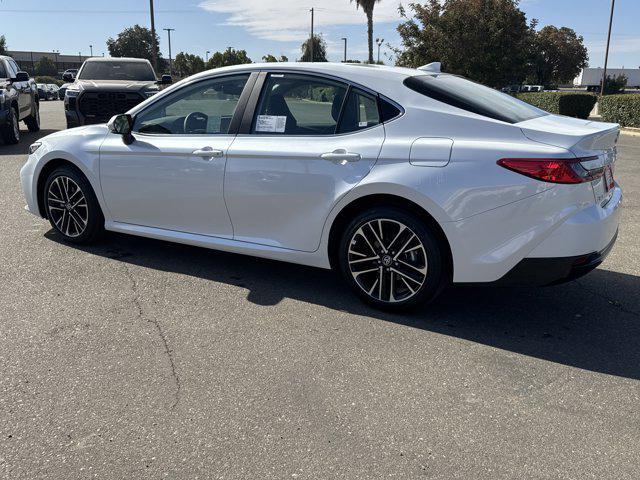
(45, 79)
(561, 103)
(623, 109)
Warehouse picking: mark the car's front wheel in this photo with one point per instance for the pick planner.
(72, 207)
(391, 259)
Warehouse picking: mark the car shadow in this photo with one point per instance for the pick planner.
(26, 139)
(592, 323)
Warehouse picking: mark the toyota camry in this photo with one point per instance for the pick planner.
(403, 180)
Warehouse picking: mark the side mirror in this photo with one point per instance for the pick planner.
(165, 80)
(67, 77)
(122, 125)
(22, 77)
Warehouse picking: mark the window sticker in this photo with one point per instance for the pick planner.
(362, 124)
(271, 123)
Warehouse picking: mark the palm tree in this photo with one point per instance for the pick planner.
(367, 6)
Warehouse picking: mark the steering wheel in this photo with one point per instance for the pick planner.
(195, 122)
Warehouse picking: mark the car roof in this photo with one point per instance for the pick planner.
(116, 59)
(381, 78)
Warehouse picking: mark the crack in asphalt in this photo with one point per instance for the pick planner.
(168, 352)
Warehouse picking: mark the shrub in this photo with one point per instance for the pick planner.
(46, 79)
(623, 109)
(562, 103)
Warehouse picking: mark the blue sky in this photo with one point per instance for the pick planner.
(279, 26)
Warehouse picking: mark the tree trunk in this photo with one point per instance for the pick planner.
(370, 34)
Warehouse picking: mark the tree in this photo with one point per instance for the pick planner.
(558, 55)
(272, 59)
(230, 56)
(187, 64)
(134, 42)
(3, 45)
(367, 7)
(485, 40)
(319, 50)
(46, 68)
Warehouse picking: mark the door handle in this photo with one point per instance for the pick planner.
(341, 155)
(208, 153)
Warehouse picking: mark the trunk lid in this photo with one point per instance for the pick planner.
(582, 137)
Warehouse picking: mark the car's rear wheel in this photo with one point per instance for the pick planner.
(33, 120)
(72, 207)
(391, 259)
(11, 131)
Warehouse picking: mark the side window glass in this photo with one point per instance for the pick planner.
(295, 104)
(13, 69)
(360, 112)
(3, 70)
(205, 108)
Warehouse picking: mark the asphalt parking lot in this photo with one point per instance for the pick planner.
(141, 359)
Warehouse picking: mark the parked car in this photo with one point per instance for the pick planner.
(107, 86)
(54, 91)
(532, 88)
(69, 75)
(44, 92)
(18, 101)
(402, 180)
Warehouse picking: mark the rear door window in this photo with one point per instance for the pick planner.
(360, 112)
(298, 104)
(3, 70)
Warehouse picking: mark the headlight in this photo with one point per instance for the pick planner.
(34, 146)
(71, 93)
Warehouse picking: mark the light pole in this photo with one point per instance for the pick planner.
(311, 44)
(379, 42)
(207, 56)
(606, 54)
(345, 49)
(154, 46)
(56, 53)
(169, 30)
(91, 49)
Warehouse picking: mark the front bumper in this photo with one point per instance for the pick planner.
(553, 271)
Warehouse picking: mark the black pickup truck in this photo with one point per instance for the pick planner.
(18, 101)
(105, 87)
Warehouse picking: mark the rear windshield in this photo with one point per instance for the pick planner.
(473, 97)
(114, 70)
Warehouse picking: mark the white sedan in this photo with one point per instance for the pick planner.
(403, 180)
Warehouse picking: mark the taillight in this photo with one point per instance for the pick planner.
(554, 170)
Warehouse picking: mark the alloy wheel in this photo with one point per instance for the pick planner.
(387, 260)
(67, 206)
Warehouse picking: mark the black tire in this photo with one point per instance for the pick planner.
(74, 222)
(11, 131)
(387, 264)
(33, 120)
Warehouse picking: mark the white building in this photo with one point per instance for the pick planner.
(590, 78)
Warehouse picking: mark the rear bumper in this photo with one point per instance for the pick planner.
(552, 271)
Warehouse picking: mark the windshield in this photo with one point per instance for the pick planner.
(115, 70)
(473, 97)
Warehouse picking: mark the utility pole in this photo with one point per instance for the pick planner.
(606, 55)
(345, 49)
(312, 40)
(379, 42)
(154, 46)
(91, 48)
(169, 30)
